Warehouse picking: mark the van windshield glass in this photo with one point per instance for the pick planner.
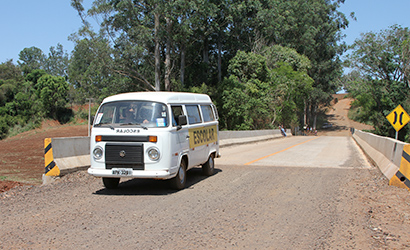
(129, 113)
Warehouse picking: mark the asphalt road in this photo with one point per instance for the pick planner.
(288, 193)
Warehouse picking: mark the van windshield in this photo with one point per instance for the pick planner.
(131, 113)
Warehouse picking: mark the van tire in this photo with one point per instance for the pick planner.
(111, 183)
(208, 168)
(178, 182)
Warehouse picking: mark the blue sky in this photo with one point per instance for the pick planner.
(46, 23)
(42, 23)
(374, 15)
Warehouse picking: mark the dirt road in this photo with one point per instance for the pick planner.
(259, 206)
(337, 116)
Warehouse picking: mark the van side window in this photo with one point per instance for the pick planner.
(207, 113)
(193, 114)
(176, 111)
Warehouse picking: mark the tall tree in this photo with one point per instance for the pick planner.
(265, 89)
(31, 58)
(379, 80)
(56, 63)
(53, 92)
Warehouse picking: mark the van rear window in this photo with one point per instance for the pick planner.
(207, 113)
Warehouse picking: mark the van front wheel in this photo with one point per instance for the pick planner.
(111, 183)
(208, 168)
(178, 182)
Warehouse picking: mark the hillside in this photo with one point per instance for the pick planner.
(22, 156)
(337, 116)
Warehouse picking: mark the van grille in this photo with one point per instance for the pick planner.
(124, 156)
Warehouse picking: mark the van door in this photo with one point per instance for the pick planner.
(180, 137)
(197, 147)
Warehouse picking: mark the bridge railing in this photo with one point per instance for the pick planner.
(388, 154)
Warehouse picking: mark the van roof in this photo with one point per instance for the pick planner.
(161, 96)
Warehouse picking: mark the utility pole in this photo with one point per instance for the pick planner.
(89, 114)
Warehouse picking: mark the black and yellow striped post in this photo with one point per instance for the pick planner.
(51, 168)
(402, 177)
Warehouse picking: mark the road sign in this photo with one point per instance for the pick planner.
(398, 118)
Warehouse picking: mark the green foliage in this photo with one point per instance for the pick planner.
(57, 62)
(53, 91)
(91, 74)
(192, 42)
(379, 82)
(258, 97)
(31, 58)
(25, 101)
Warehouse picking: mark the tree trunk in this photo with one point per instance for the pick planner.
(167, 80)
(157, 55)
(182, 64)
(314, 110)
(305, 114)
(219, 58)
(206, 58)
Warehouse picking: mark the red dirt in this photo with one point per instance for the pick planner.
(22, 156)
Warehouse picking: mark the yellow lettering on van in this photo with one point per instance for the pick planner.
(202, 136)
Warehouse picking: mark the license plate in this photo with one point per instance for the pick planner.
(121, 171)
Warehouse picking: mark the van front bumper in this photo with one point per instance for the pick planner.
(143, 174)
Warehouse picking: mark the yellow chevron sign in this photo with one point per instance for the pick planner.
(398, 118)
(51, 168)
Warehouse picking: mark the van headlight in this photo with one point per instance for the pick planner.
(98, 153)
(153, 154)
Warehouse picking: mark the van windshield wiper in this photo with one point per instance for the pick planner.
(100, 124)
(134, 123)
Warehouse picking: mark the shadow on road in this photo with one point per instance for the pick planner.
(154, 187)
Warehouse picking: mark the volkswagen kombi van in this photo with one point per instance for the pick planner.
(157, 135)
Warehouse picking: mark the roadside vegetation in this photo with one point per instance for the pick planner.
(380, 78)
(264, 63)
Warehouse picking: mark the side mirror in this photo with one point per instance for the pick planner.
(181, 121)
(91, 120)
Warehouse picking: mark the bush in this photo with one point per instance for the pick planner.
(4, 127)
(64, 115)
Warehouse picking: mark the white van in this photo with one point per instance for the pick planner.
(157, 135)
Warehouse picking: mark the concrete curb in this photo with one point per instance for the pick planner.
(69, 154)
(387, 167)
(384, 152)
(238, 141)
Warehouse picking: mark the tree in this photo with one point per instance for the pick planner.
(90, 73)
(10, 81)
(379, 77)
(31, 58)
(53, 92)
(265, 89)
(18, 102)
(130, 26)
(380, 55)
(57, 62)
